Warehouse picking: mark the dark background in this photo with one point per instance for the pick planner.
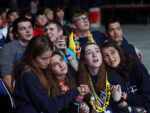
(128, 15)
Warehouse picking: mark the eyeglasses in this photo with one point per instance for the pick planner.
(81, 19)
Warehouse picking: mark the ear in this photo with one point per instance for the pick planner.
(106, 34)
(16, 34)
(60, 32)
(74, 26)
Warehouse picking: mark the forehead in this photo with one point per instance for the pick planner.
(13, 13)
(114, 24)
(27, 23)
(82, 15)
(91, 47)
(59, 9)
(41, 16)
(55, 58)
(108, 49)
(51, 25)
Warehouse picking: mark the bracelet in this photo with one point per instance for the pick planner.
(69, 57)
(124, 95)
(78, 100)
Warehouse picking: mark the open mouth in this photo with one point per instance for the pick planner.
(95, 60)
(63, 69)
(29, 35)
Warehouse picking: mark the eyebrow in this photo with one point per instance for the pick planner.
(94, 48)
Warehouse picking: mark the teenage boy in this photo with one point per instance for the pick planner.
(54, 31)
(11, 52)
(114, 33)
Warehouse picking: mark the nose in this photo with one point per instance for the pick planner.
(47, 61)
(48, 31)
(94, 54)
(60, 65)
(28, 30)
(116, 31)
(111, 57)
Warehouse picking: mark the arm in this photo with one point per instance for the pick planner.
(6, 66)
(74, 62)
(7, 81)
(61, 45)
(142, 79)
(139, 54)
(40, 98)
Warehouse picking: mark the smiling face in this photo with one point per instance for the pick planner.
(58, 65)
(93, 57)
(43, 60)
(52, 32)
(111, 56)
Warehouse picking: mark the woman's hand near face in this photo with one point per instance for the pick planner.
(116, 93)
(83, 89)
(84, 108)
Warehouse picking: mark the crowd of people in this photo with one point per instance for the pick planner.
(50, 65)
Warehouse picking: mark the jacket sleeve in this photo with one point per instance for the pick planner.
(142, 79)
(40, 99)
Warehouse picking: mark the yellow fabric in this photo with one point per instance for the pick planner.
(72, 45)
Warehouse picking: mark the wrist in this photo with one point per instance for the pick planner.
(124, 96)
(69, 57)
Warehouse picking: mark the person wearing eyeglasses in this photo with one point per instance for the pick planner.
(81, 33)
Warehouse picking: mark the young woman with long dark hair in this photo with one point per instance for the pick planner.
(32, 76)
(134, 74)
(102, 84)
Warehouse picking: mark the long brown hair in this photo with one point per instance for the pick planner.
(55, 87)
(83, 76)
(126, 60)
(36, 47)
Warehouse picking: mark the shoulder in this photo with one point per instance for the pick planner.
(98, 33)
(138, 67)
(139, 71)
(125, 42)
(99, 37)
(10, 47)
(11, 44)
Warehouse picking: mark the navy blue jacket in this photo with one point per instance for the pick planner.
(129, 48)
(30, 97)
(138, 87)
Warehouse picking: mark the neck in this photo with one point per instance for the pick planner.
(93, 71)
(82, 34)
(119, 43)
(62, 77)
(41, 27)
(25, 43)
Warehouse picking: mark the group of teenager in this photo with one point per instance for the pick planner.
(74, 72)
